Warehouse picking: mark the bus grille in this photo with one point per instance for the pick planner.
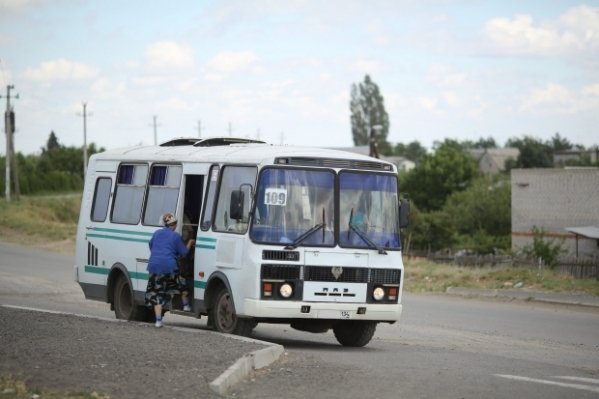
(281, 272)
(385, 276)
(348, 274)
(280, 255)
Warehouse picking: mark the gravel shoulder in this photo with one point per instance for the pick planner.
(68, 353)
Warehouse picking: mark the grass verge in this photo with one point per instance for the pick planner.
(425, 276)
(15, 389)
(53, 218)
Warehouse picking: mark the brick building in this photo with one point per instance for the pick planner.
(562, 201)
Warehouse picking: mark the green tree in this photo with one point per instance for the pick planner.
(437, 176)
(533, 153)
(482, 215)
(559, 143)
(481, 143)
(548, 250)
(412, 151)
(367, 110)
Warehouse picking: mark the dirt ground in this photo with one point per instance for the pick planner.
(66, 353)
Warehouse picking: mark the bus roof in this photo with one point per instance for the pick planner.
(243, 153)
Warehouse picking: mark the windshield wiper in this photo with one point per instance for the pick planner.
(365, 237)
(309, 233)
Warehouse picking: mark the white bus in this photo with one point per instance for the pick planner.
(303, 236)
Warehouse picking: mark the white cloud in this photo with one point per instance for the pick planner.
(553, 94)
(60, 70)
(576, 31)
(17, 5)
(366, 66)
(230, 61)
(147, 81)
(103, 88)
(444, 75)
(428, 103)
(556, 99)
(451, 99)
(6, 39)
(167, 54)
(592, 90)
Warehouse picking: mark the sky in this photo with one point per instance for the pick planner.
(282, 71)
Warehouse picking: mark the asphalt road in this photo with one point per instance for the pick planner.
(444, 346)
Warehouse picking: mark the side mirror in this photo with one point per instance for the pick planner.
(236, 207)
(404, 213)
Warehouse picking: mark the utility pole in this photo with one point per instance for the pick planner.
(85, 115)
(230, 129)
(9, 147)
(199, 129)
(155, 139)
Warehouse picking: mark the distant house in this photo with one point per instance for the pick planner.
(492, 160)
(563, 202)
(403, 164)
(561, 158)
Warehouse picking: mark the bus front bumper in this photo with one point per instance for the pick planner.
(321, 310)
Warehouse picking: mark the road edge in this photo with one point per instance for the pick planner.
(244, 367)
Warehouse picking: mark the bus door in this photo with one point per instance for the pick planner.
(189, 213)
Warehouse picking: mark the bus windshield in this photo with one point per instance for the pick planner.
(368, 210)
(298, 207)
(291, 202)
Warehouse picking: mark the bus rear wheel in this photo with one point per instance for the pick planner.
(124, 306)
(224, 318)
(354, 333)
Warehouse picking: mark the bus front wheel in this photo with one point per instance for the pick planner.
(124, 306)
(224, 318)
(354, 333)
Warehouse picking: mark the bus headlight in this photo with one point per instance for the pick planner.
(286, 290)
(378, 294)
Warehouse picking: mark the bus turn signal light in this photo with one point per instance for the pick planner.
(267, 289)
(392, 294)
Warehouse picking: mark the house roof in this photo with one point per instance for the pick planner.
(498, 155)
(588, 231)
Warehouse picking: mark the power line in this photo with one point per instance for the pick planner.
(9, 121)
(155, 125)
(2, 69)
(85, 115)
(200, 128)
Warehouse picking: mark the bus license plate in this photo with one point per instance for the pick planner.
(333, 314)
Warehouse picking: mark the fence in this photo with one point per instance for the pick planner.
(587, 268)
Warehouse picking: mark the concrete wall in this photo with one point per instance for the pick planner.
(555, 199)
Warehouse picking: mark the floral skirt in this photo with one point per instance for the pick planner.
(162, 287)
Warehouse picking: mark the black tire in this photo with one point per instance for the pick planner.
(223, 316)
(124, 306)
(354, 333)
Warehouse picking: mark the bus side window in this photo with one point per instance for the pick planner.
(210, 194)
(240, 179)
(163, 193)
(101, 199)
(129, 194)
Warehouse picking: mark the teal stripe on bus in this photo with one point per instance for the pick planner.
(210, 243)
(139, 233)
(144, 240)
(96, 269)
(139, 276)
(199, 284)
